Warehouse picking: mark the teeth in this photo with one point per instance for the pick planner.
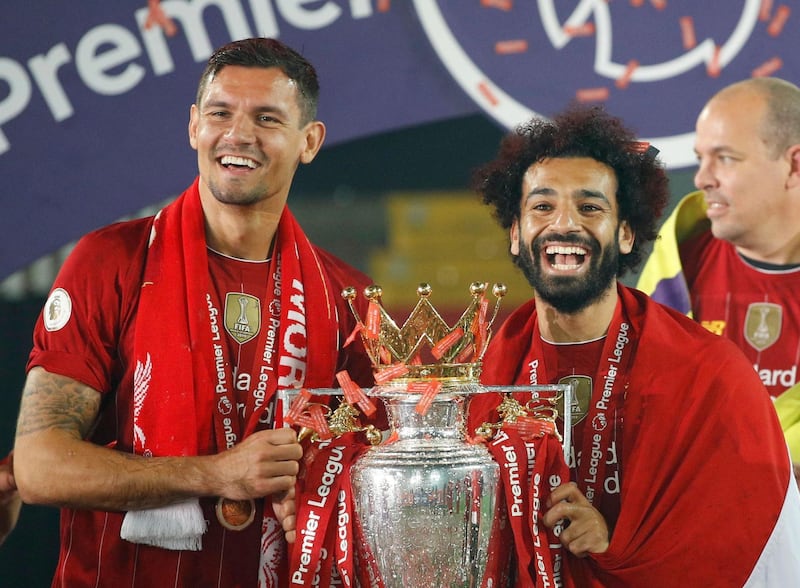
(564, 266)
(233, 160)
(565, 250)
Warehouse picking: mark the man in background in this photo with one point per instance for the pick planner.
(729, 255)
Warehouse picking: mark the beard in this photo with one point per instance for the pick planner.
(571, 294)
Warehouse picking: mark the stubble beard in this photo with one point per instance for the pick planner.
(235, 195)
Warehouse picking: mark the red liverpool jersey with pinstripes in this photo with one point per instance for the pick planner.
(758, 309)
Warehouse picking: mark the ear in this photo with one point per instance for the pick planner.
(625, 237)
(513, 235)
(793, 156)
(194, 117)
(314, 137)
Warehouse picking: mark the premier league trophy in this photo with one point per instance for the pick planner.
(421, 506)
(426, 501)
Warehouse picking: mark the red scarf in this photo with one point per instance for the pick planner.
(696, 421)
(176, 379)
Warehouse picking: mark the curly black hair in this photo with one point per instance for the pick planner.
(581, 131)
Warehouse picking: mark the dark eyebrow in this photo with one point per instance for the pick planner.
(543, 191)
(593, 194)
(582, 193)
(259, 109)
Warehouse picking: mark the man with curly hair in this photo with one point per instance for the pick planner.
(673, 434)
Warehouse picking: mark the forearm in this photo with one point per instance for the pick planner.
(53, 467)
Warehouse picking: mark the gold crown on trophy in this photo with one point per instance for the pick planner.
(426, 346)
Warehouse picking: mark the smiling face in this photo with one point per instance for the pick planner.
(569, 237)
(249, 136)
(745, 183)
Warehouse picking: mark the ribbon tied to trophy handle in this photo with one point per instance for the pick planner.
(536, 418)
(318, 422)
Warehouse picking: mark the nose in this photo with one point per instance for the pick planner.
(566, 219)
(241, 129)
(704, 178)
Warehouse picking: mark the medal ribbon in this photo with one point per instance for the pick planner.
(336, 562)
(343, 541)
(531, 467)
(549, 471)
(229, 428)
(511, 452)
(498, 568)
(605, 404)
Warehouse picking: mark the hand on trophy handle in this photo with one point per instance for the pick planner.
(586, 531)
(283, 504)
(264, 463)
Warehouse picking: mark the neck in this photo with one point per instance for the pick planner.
(243, 232)
(585, 325)
(775, 251)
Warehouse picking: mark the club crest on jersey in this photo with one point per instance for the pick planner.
(57, 310)
(762, 324)
(242, 316)
(581, 394)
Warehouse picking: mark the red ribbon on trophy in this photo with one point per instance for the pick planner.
(531, 466)
(319, 497)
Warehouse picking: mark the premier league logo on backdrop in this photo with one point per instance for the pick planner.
(652, 62)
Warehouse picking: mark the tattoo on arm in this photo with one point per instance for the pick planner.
(51, 401)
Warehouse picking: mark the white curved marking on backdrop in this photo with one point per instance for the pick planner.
(554, 29)
(703, 53)
(675, 151)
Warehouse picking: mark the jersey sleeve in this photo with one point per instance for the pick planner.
(88, 315)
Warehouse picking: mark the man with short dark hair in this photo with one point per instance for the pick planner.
(149, 409)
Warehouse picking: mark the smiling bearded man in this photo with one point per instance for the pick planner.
(581, 198)
(569, 294)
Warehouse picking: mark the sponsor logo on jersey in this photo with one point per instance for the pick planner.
(57, 310)
(716, 326)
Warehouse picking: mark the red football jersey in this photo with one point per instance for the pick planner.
(86, 332)
(757, 308)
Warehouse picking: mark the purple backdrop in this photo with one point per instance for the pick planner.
(94, 106)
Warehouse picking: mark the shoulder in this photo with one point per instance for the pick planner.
(108, 256)
(116, 239)
(514, 332)
(340, 273)
(671, 335)
(518, 323)
(702, 243)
